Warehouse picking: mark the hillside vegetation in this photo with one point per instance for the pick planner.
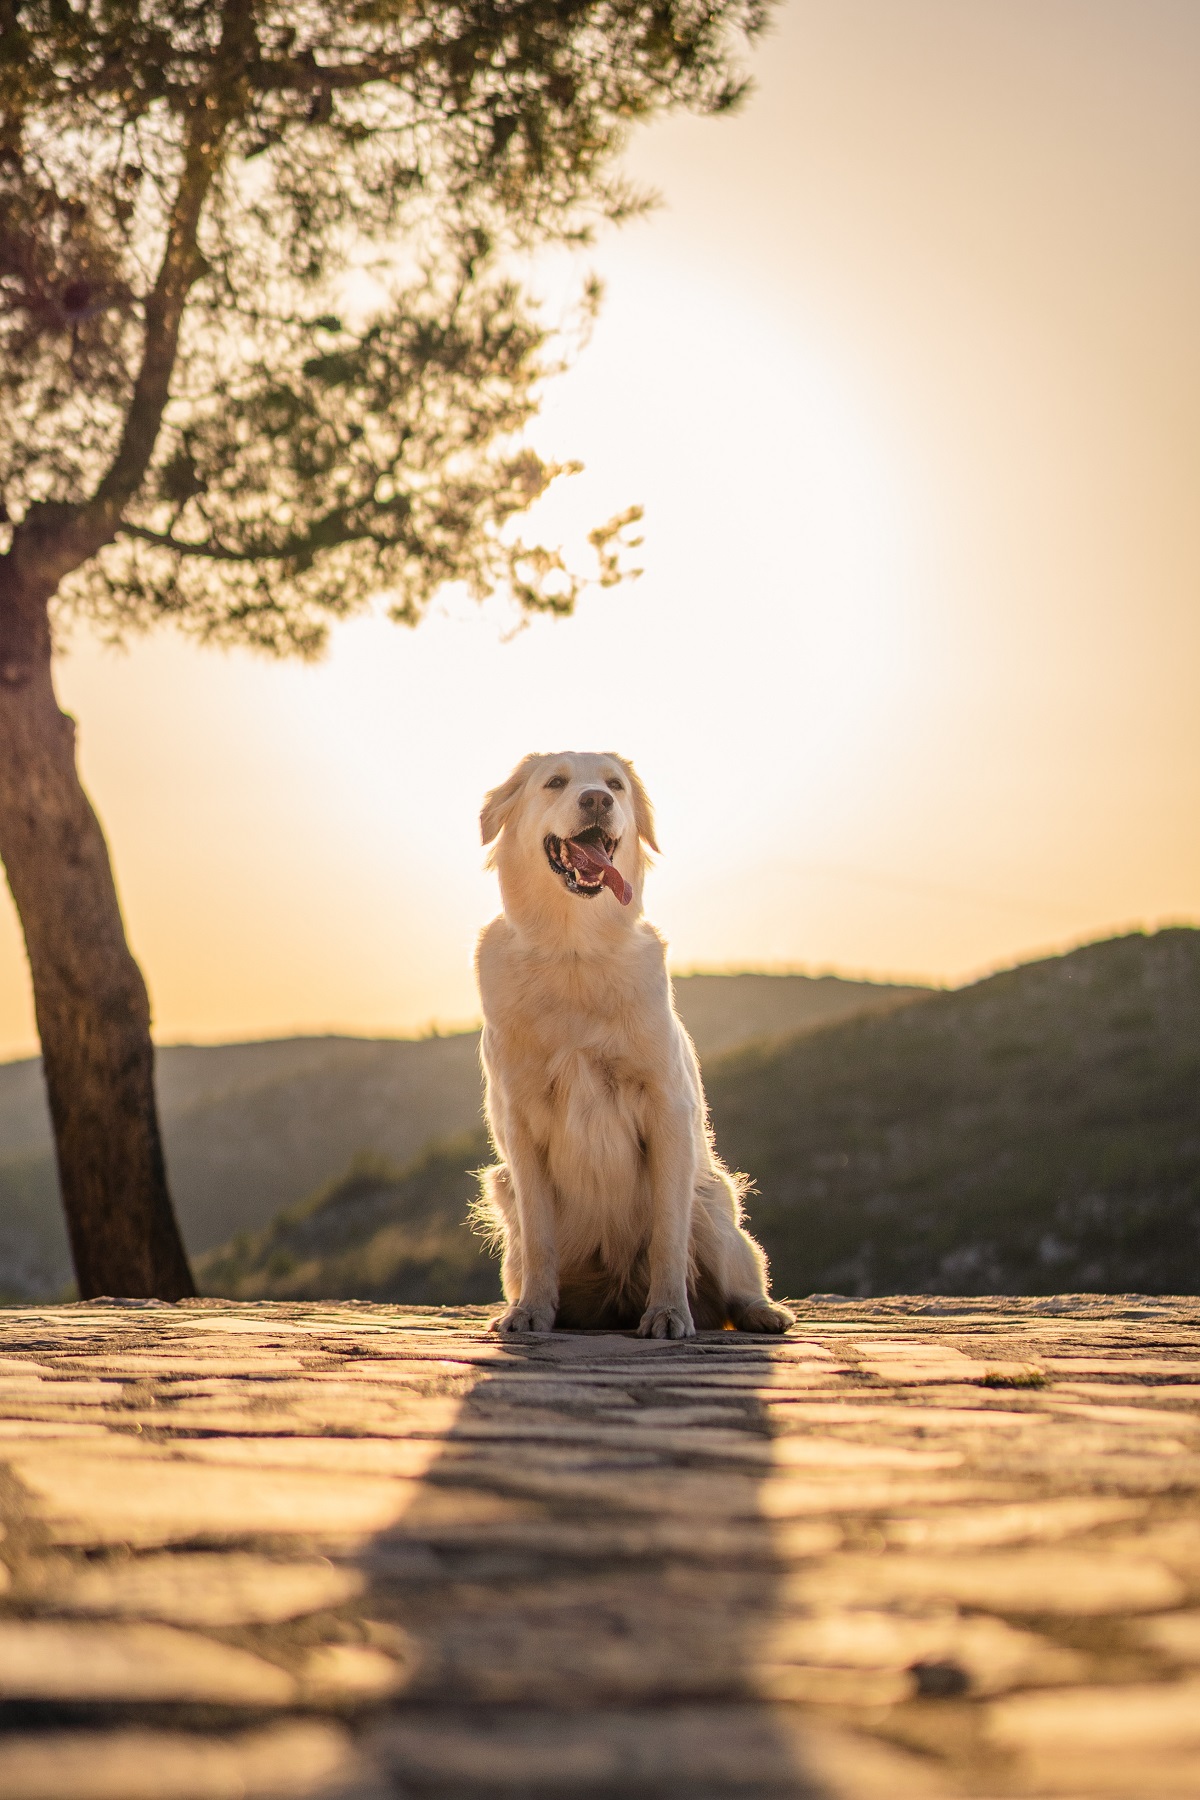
(1036, 1132)
(251, 1129)
(378, 1233)
(248, 1128)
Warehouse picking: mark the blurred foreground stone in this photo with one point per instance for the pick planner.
(918, 1548)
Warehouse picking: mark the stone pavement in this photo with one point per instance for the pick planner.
(918, 1548)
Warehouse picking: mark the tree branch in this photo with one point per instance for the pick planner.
(301, 75)
(309, 545)
(62, 541)
(182, 264)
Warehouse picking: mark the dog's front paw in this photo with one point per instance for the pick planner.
(520, 1317)
(666, 1322)
(762, 1315)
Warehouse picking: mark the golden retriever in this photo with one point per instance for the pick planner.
(612, 1206)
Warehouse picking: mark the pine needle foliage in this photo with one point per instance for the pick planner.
(263, 354)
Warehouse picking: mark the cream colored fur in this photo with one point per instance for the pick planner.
(612, 1205)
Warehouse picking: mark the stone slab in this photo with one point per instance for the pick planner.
(919, 1547)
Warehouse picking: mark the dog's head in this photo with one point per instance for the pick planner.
(569, 825)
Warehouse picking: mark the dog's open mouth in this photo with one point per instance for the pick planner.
(585, 863)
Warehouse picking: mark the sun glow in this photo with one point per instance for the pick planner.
(905, 375)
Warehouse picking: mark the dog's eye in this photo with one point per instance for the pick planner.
(557, 781)
(615, 785)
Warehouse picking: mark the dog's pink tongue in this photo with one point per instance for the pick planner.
(590, 859)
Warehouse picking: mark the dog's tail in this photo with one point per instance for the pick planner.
(488, 1211)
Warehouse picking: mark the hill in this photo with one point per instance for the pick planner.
(251, 1129)
(377, 1233)
(1036, 1132)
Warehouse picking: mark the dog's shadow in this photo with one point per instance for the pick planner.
(590, 1584)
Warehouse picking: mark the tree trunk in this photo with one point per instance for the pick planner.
(93, 1012)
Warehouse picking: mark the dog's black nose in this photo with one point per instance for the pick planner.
(595, 802)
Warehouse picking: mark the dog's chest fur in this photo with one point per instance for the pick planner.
(585, 1052)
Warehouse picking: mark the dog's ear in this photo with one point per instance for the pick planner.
(499, 803)
(643, 812)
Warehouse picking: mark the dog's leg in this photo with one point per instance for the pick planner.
(734, 1260)
(750, 1306)
(536, 1304)
(671, 1154)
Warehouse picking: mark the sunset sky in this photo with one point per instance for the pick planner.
(906, 373)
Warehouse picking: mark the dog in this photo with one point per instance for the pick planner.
(608, 1198)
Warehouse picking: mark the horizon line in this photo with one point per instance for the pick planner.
(442, 1028)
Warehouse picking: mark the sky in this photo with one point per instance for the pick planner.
(905, 371)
